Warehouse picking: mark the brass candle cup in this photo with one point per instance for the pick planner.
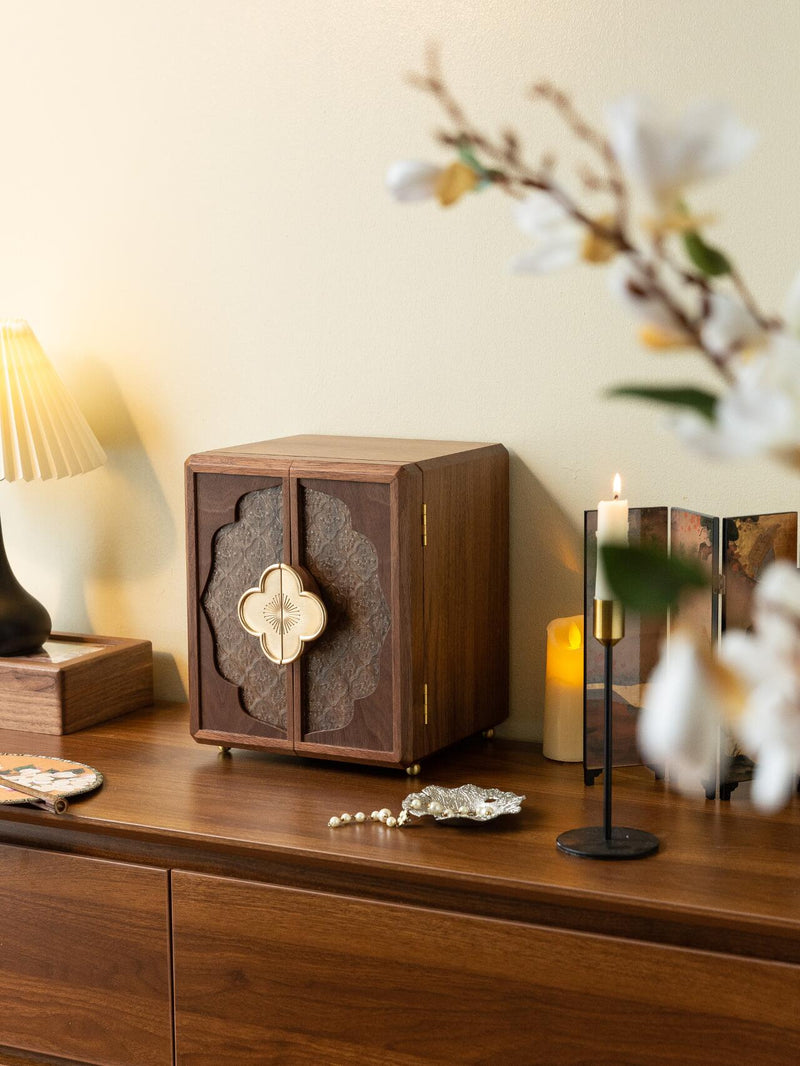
(608, 622)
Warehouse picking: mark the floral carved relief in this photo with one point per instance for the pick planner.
(242, 551)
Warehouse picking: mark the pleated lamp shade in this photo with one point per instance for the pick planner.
(42, 431)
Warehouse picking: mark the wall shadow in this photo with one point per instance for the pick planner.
(105, 534)
(139, 538)
(546, 583)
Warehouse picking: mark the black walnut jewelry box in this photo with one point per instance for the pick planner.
(348, 597)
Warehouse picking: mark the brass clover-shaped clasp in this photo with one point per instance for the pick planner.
(282, 614)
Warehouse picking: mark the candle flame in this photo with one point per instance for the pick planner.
(574, 636)
(617, 486)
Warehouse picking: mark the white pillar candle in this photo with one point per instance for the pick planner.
(612, 528)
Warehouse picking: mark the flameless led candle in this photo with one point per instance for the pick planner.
(612, 528)
(563, 694)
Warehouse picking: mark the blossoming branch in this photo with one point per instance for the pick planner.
(684, 291)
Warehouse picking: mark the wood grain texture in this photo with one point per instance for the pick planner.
(14, 1057)
(449, 601)
(408, 636)
(725, 878)
(268, 975)
(466, 594)
(48, 697)
(683, 951)
(390, 450)
(85, 963)
(212, 502)
(326, 672)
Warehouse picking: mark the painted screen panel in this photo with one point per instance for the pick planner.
(750, 543)
(695, 537)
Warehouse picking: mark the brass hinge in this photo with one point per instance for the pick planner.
(424, 525)
(425, 700)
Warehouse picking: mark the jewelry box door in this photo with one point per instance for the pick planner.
(352, 682)
(241, 527)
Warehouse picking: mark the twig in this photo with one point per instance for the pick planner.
(766, 323)
(511, 173)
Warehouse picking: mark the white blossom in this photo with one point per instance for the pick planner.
(679, 723)
(664, 155)
(758, 413)
(409, 180)
(729, 326)
(768, 662)
(558, 238)
(630, 284)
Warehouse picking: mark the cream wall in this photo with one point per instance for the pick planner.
(193, 221)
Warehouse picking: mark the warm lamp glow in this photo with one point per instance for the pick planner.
(42, 435)
(574, 637)
(42, 431)
(617, 486)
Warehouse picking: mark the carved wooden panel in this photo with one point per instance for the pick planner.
(242, 551)
(344, 664)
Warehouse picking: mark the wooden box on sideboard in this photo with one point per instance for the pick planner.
(75, 681)
(406, 545)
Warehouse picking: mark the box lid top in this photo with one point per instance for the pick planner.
(363, 449)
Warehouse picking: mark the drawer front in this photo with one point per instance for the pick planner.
(273, 975)
(84, 959)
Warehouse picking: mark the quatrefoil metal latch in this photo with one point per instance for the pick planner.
(282, 613)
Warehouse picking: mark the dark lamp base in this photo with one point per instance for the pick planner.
(591, 843)
(24, 622)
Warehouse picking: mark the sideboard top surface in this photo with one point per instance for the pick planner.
(362, 449)
(721, 867)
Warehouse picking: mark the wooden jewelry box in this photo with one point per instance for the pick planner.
(348, 597)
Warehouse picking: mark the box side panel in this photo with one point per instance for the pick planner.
(466, 595)
(112, 684)
(31, 700)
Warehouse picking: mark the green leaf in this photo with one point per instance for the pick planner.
(467, 155)
(648, 580)
(708, 260)
(681, 396)
(468, 158)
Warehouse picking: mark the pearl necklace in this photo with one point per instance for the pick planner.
(384, 815)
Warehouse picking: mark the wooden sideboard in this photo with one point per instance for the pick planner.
(198, 910)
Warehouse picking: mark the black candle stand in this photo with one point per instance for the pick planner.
(608, 841)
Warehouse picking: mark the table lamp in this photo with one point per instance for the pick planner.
(42, 435)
